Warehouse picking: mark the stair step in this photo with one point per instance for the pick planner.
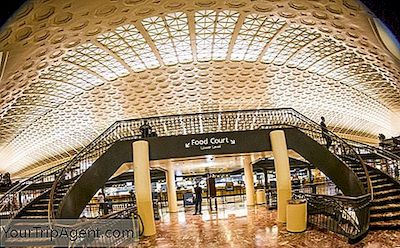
(382, 187)
(35, 210)
(384, 210)
(32, 242)
(385, 200)
(385, 225)
(33, 217)
(385, 216)
(378, 180)
(375, 175)
(387, 192)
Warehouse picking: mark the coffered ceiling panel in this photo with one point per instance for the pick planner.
(74, 67)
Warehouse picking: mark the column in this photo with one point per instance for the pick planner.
(171, 189)
(248, 180)
(282, 171)
(144, 200)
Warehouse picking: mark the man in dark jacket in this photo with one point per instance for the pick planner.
(199, 198)
(325, 133)
(145, 129)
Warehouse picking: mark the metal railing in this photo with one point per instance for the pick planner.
(340, 214)
(385, 160)
(216, 122)
(15, 198)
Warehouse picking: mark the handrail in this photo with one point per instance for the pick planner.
(384, 152)
(337, 138)
(388, 158)
(198, 124)
(7, 198)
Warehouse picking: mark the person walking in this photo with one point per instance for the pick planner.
(199, 198)
(325, 133)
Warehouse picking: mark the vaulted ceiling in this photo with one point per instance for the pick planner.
(71, 68)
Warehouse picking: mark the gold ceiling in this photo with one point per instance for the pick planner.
(71, 68)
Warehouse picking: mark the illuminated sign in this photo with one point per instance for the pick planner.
(210, 143)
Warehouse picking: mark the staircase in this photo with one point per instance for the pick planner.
(68, 180)
(385, 208)
(38, 208)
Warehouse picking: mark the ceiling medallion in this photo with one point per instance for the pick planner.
(174, 5)
(144, 11)
(57, 38)
(41, 35)
(133, 2)
(5, 34)
(351, 4)
(236, 3)
(24, 10)
(263, 7)
(79, 25)
(105, 10)
(297, 5)
(334, 9)
(320, 15)
(287, 14)
(23, 33)
(44, 13)
(205, 3)
(93, 32)
(62, 18)
(118, 21)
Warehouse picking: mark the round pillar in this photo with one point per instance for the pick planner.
(282, 171)
(171, 189)
(144, 200)
(248, 180)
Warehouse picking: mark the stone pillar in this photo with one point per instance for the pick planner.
(248, 180)
(144, 200)
(282, 171)
(171, 189)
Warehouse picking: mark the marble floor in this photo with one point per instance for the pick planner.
(235, 225)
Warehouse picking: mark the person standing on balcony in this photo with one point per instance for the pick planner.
(325, 133)
(145, 129)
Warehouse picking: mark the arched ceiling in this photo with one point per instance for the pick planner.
(71, 68)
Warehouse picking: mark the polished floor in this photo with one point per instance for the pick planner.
(234, 225)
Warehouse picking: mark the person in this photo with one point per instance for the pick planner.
(107, 205)
(101, 203)
(133, 197)
(381, 138)
(325, 134)
(296, 183)
(6, 179)
(199, 198)
(145, 129)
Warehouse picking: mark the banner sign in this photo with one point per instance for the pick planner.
(209, 144)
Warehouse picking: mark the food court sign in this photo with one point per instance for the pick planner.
(210, 143)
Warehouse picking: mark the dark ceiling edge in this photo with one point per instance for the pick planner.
(386, 10)
(8, 9)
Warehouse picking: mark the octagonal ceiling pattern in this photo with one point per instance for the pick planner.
(74, 67)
